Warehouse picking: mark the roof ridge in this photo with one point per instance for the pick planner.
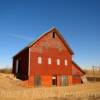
(53, 28)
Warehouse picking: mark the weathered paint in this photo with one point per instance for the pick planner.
(76, 74)
(52, 52)
(47, 47)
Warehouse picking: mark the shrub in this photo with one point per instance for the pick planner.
(6, 70)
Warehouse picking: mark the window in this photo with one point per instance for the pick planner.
(66, 62)
(53, 35)
(49, 61)
(58, 61)
(39, 60)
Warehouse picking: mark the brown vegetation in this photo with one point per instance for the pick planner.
(10, 89)
(6, 70)
(93, 72)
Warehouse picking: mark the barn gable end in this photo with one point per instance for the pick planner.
(52, 39)
(50, 45)
(43, 35)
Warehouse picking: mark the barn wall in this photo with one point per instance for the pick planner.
(49, 47)
(70, 80)
(46, 81)
(76, 74)
(23, 57)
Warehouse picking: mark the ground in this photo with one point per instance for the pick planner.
(11, 89)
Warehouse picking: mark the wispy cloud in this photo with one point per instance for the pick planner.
(5, 66)
(23, 37)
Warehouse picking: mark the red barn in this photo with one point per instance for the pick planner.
(47, 61)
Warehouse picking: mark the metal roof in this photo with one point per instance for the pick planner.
(57, 32)
(78, 67)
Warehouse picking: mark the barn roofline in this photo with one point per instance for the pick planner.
(33, 42)
(78, 67)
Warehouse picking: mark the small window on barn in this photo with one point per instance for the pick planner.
(53, 35)
(49, 61)
(66, 62)
(58, 62)
(39, 60)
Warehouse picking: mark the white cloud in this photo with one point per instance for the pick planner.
(19, 36)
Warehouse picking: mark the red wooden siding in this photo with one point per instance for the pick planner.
(55, 49)
(76, 74)
(50, 45)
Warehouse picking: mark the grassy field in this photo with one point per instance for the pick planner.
(90, 73)
(10, 89)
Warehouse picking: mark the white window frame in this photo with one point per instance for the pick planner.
(66, 62)
(49, 61)
(53, 77)
(58, 62)
(39, 60)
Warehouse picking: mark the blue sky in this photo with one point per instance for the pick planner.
(22, 21)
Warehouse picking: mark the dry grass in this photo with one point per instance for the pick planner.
(6, 70)
(90, 73)
(10, 90)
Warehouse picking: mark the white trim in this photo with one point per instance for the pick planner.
(54, 77)
(49, 61)
(58, 62)
(29, 64)
(66, 62)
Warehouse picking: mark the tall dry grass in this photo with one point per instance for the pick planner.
(6, 70)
